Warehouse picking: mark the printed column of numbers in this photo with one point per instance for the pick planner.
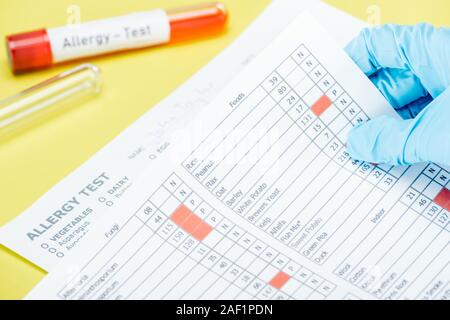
(293, 74)
(321, 107)
(312, 99)
(243, 266)
(308, 94)
(429, 196)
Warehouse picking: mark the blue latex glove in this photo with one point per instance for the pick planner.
(411, 68)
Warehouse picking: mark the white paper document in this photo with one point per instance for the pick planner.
(53, 226)
(258, 199)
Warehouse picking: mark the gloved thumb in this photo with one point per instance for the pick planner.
(392, 141)
(382, 140)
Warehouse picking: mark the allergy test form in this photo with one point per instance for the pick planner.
(52, 227)
(258, 199)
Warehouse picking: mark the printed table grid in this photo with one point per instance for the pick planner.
(359, 274)
(426, 206)
(260, 285)
(281, 88)
(308, 107)
(274, 276)
(295, 102)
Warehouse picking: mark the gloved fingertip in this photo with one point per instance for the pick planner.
(359, 144)
(380, 140)
(358, 51)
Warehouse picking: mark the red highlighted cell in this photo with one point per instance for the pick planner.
(191, 223)
(180, 215)
(321, 105)
(202, 231)
(279, 280)
(443, 199)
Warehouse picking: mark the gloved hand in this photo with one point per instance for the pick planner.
(411, 68)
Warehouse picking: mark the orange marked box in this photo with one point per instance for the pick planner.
(321, 105)
(191, 223)
(279, 280)
(180, 215)
(443, 199)
(202, 231)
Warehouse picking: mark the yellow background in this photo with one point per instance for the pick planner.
(33, 162)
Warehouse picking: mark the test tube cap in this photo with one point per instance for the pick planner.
(29, 50)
